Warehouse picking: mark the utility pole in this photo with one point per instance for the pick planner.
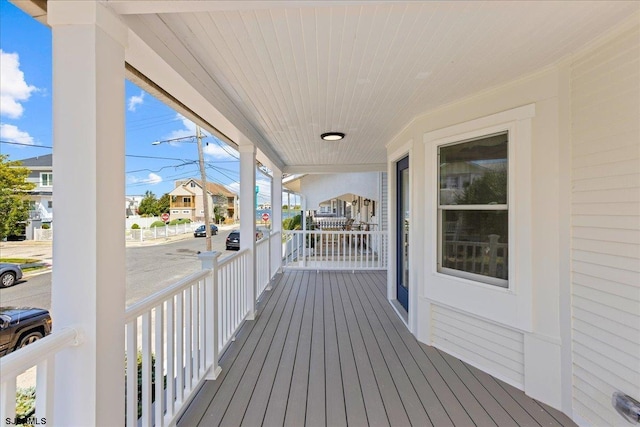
(205, 190)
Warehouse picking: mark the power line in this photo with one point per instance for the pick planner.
(25, 145)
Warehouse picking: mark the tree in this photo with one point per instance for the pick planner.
(164, 203)
(148, 204)
(14, 203)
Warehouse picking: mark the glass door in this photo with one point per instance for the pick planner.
(402, 227)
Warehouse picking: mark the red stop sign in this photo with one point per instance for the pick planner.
(165, 217)
(265, 217)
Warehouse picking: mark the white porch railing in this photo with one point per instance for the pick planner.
(233, 305)
(335, 250)
(263, 267)
(39, 354)
(178, 332)
(169, 330)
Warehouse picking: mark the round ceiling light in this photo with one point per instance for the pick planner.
(332, 136)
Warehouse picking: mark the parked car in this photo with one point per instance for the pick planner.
(20, 326)
(9, 274)
(200, 231)
(233, 239)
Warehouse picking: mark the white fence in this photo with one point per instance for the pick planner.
(139, 235)
(335, 250)
(135, 235)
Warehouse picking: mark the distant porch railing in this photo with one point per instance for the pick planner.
(335, 250)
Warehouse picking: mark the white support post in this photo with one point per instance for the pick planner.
(275, 248)
(248, 220)
(209, 261)
(88, 282)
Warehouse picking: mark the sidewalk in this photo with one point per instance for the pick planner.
(42, 250)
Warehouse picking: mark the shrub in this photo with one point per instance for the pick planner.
(229, 221)
(179, 221)
(153, 380)
(157, 224)
(26, 404)
(135, 227)
(293, 223)
(46, 226)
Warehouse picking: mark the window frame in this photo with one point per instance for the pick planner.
(512, 305)
(49, 179)
(494, 281)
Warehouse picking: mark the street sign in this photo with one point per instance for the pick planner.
(265, 217)
(165, 217)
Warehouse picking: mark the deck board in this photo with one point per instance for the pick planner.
(327, 349)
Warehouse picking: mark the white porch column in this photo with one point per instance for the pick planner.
(248, 218)
(88, 281)
(276, 220)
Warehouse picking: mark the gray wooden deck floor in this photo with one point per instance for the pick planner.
(328, 350)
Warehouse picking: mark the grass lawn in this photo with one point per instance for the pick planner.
(19, 260)
(23, 261)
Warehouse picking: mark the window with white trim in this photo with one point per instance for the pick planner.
(46, 179)
(473, 211)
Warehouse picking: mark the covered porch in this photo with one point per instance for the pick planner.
(327, 348)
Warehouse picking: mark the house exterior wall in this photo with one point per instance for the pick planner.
(605, 226)
(321, 187)
(576, 235)
(533, 327)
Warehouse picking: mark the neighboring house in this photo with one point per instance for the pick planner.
(187, 201)
(354, 195)
(131, 205)
(41, 197)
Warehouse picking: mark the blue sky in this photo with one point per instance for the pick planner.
(25, 117)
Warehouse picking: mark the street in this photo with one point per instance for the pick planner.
(149, 269)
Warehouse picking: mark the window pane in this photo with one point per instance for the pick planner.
(476, 242)
(474, 172)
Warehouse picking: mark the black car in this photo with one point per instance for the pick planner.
(200, 231)
(233, 239)
(20, 326)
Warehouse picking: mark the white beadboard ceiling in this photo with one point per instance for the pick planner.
(290, 71)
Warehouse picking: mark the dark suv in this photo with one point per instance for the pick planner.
(201, 231)
(233, 239)
(20, 326)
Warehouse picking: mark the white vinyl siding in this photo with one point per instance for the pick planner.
(605, 224)
(493, 348)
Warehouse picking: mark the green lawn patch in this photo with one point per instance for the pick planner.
(19, 260)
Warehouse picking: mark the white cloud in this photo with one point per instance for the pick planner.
(210, 147)
(151, 179)
(13, 88)
(11, 133)
(216, 151)
(135, 100)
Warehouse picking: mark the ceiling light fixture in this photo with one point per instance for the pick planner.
(332, 136)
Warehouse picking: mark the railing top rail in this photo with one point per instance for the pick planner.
(146, 304)
(15, 363)
(228, 259)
